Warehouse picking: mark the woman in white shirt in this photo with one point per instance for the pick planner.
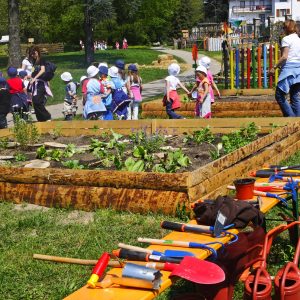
(289, 79)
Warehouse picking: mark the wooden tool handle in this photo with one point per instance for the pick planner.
(134, 248)
(78, 261)
(164, 242)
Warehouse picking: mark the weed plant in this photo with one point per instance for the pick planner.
(25, 133)
(203, 135)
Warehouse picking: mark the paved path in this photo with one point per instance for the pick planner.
(150, 89)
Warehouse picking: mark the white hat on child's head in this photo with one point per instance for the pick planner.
(113, 71)
(82, 78)
(92, 71)
(102, 64)
(201, 69)
(66, 76)
(204, 61)
(174, 69)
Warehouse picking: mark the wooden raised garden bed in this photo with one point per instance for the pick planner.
(141, 191)
(234, 103)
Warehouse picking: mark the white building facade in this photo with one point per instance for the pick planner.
(247, 10)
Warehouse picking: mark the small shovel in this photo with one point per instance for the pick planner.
(189, 268)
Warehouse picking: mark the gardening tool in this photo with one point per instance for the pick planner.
(170, 253)
(189, 267)
(268, 173)
(215, 230)
(183, 244)
(89, 262)
(98, 270)
(143, 256)
(287, 280)
(281, 168)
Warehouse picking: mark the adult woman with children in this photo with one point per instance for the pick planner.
(289, 78)
(40, 87)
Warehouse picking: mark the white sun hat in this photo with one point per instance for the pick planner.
(82, 78)
(66, 76)
(92, 71)
(102, 64)
(174, 69)
(113, 71)
(204, 61)
(201, 69)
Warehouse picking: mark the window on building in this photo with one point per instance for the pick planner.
(283, 1)
(242, 4)
(262, 18)
(282, 12)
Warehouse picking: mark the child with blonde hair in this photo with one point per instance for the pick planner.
(205, 62)
(203, 103)
(134, 86)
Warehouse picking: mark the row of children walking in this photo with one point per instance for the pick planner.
(107, 93)
(202, 90)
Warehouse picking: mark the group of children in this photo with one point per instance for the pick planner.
(202, 91)
(14, 96)
(110, 93)
(107, 93)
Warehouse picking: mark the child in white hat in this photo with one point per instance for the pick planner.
(70, 101)
(171, 99)
(205, 62)
(203, 103)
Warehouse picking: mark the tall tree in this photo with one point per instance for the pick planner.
(94, 11)
(14, 33)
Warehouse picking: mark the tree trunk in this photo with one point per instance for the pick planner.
(88, 30)
(14, 34)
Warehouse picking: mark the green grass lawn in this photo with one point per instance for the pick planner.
(73, 62)
(65, 232)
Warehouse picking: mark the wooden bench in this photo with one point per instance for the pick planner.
(123, 293)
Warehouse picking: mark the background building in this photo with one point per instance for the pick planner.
(248, 10)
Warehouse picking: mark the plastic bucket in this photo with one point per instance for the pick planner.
(244, 188)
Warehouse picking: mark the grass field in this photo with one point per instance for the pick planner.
(73, 62)
(83, 235)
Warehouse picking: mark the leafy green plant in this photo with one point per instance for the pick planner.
(55, 154)
(3, 143)
(25, 133)
(151, 143)
(73, 164)
(239, 138)
(69, 151)
(134, 166)
(182, 212)
(141, 152)
(203, 135)
(20, 157)
(57, 131)
(41, 152)
(172, 162)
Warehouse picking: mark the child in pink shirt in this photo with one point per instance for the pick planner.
(205, 62)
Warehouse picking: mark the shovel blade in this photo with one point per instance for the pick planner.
(199, 271)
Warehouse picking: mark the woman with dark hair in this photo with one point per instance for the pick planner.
(40, 87)
(289, 78)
